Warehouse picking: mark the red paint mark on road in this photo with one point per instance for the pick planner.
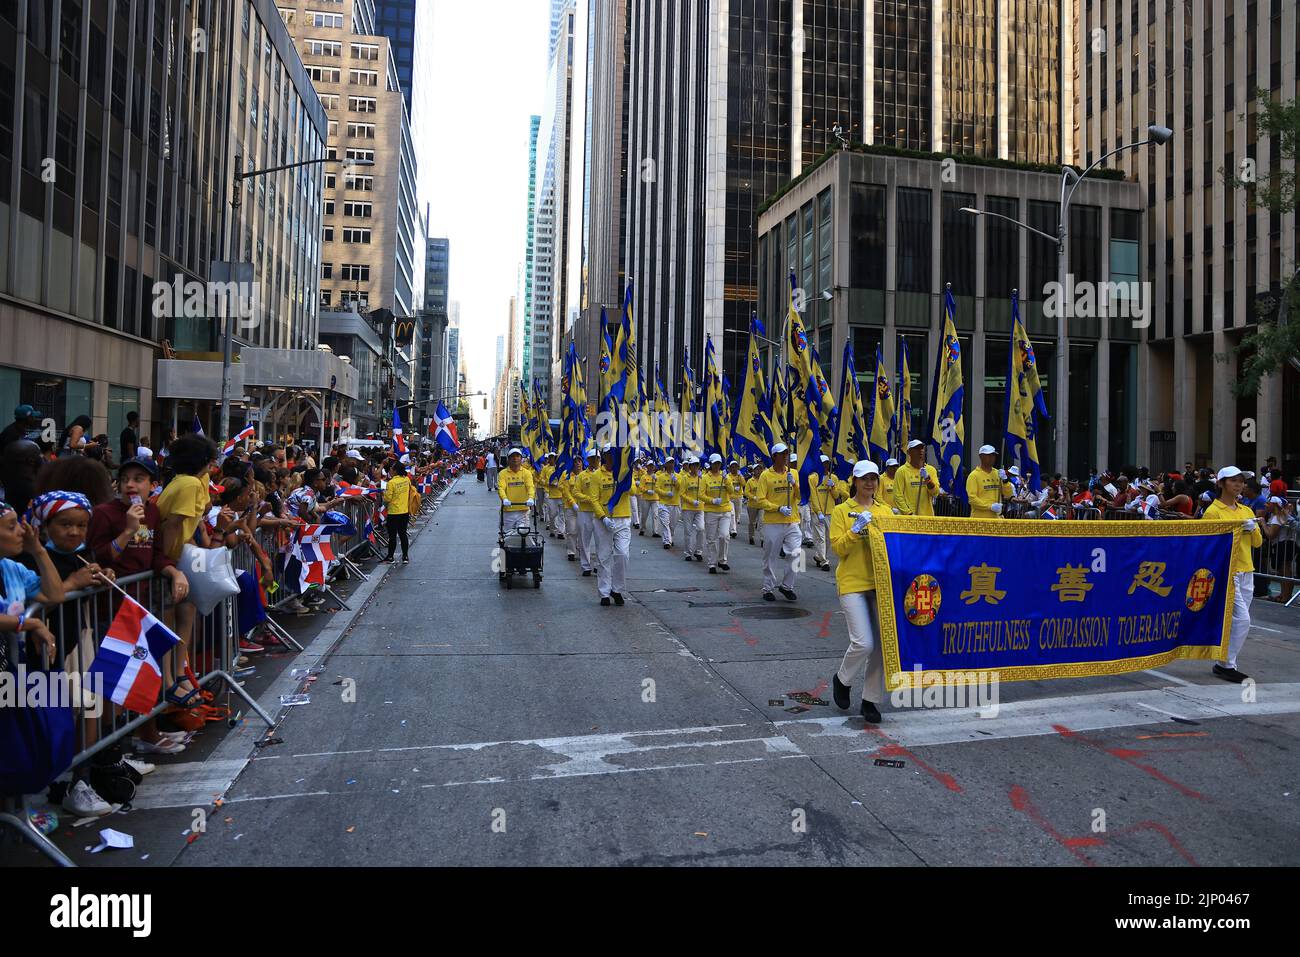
(739, 631)
(815, 692)
(825, 630)
(1129, 756)
(892, 749)
(1021, 802)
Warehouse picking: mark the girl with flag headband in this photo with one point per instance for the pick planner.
(21, 585)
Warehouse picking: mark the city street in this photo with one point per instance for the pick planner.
(536, 727)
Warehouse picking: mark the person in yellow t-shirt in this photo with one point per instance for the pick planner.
(556, 509)
(886, 491)
(821, 499)
(692, 516)
(855, 580)
(736, 493)
(571, 486)
(638, 476)
(397, 500)
(668, 485)
(649, 498)
(915, 484)
(715, 492)
(585, 492)
(987, 487)
(1228, 507)
(751, 506)
(777, 494)
(515, 485)
(611, 527)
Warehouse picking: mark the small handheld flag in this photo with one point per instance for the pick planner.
(399, 443)
(129, 656)
(246, 432)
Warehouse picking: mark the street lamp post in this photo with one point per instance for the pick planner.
(1070, 180)
(228, 343)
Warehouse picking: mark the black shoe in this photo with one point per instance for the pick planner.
(733, 534)
(654, 534)
(788, 594)
(807, 543)
(688, 557)
(637, 525)
(752, 542)
(552, 534)
(618, 598)
(768, 596)
(783, 554)
(699, 556)
(605, 601)
(573, 558)
(586, 574)
(560, 536)
(386, 561)
(869, 712)
(713, 569)
(841, 693)
(405, 560)
(1229, 674)
(642, 532)
(724, 566)
(667, 546)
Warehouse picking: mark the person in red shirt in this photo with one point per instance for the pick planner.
(124, 534)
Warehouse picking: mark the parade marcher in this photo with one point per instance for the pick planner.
(736, 492)
(668, 485)
(885, 492)
(491, 465)
(751, 504)
(986, 487)
(588, 487)
(821, 500)
(715, 490)
(638, 475)
(555, 508)
(804, 511)
(915, 486)
(1228, 508)
(650, 497)
(691, 510)
(515, 488)
(571, 493)
(777, 495)
(612, 530)
(856, 581)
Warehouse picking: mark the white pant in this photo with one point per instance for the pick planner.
(735, 515)
(651, 523)
(775, 539)
(556, 505)
(693, 531)
(668, 515)
(551, 508)
(755, 523)
(636, 510)
(587, 540)
(861, 615)
(492, 477)
(1240, 614)
(611, 554)
(717, 537)
(819, 538)
(806, 520)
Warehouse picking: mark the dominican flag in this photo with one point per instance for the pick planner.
(426, 485)
(1050, 512)
(356, 491)
(445, 429)
(128, 657)
(246, 433)
(399, 443)
(369, 532)
(197, 427)
(314, 544)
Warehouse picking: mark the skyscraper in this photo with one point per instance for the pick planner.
(431, 382)
(529, 243)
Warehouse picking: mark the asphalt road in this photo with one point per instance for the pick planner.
(536, 727)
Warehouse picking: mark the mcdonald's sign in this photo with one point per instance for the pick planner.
(403, 331)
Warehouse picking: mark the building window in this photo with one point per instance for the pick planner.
(327, 270)
(1001, 247)
(957, 244)
(356, 236)
(365, 51)
(360, 155)
(362, 104)
(914, 238)
(353, 272)
(328, 209)
(324, 48)
(328, 236)
(330, 180)
(363, 77)
(329, 100)
(365, 131)
(331, 20)
(323, 74)
(359, 210)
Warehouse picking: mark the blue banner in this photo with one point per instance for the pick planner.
(1043, 599)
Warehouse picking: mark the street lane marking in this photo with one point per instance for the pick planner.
(1174, 678)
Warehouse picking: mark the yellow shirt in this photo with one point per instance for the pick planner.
(186, 497)
(885, 491)
(751, 491)
(737, 484)
(668, 485)
(716, 486)
(690, 490)
(776, 489)
(601, 488)
(1216, 511)
(823, 496)
(911, 496)
(648, 490)
(397, 495)
(589, 486)
(855, 572)
(984, 489)
(515, 488)
(572, 489)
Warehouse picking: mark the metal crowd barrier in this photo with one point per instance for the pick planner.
(950, 506)
(1276, 560)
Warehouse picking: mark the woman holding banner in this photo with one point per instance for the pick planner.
(1228, 508)
(856, 580)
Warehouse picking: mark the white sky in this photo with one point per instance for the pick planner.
(488, 78)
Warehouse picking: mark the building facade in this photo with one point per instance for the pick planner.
(1215, 261)
(529, 243)
(431, 365)
(874, 240)
(120, 135)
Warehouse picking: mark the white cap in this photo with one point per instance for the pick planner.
(143, 452)
(668, 459)
(354, 454)
(865, 467)
(1228, 471)
(793, 457)
(826, 458)
(891, 462)
(592, 454)
(513, 452)
(1276, 500)
(606, 448)
(732, 462)
(715, 457)
(780, 447)
(985, 450)
(915, 444)
(1014, 470)
(1206, 497)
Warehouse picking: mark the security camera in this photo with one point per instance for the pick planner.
(827, 295)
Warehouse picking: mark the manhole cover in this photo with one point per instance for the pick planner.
(709, 604)
(769, 612)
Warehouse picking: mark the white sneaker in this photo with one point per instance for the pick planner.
(161, 746)
(182, 736)
(141, 767)
(82, 801)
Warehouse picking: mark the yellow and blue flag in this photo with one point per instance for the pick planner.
(882, 412)
(947, 425)
(663, 413)
(850, 425)
(714, 404)
(901, 432)
(623, 401)
(690, 437)
(1025, 401)
(811, 405)
(751, 432)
